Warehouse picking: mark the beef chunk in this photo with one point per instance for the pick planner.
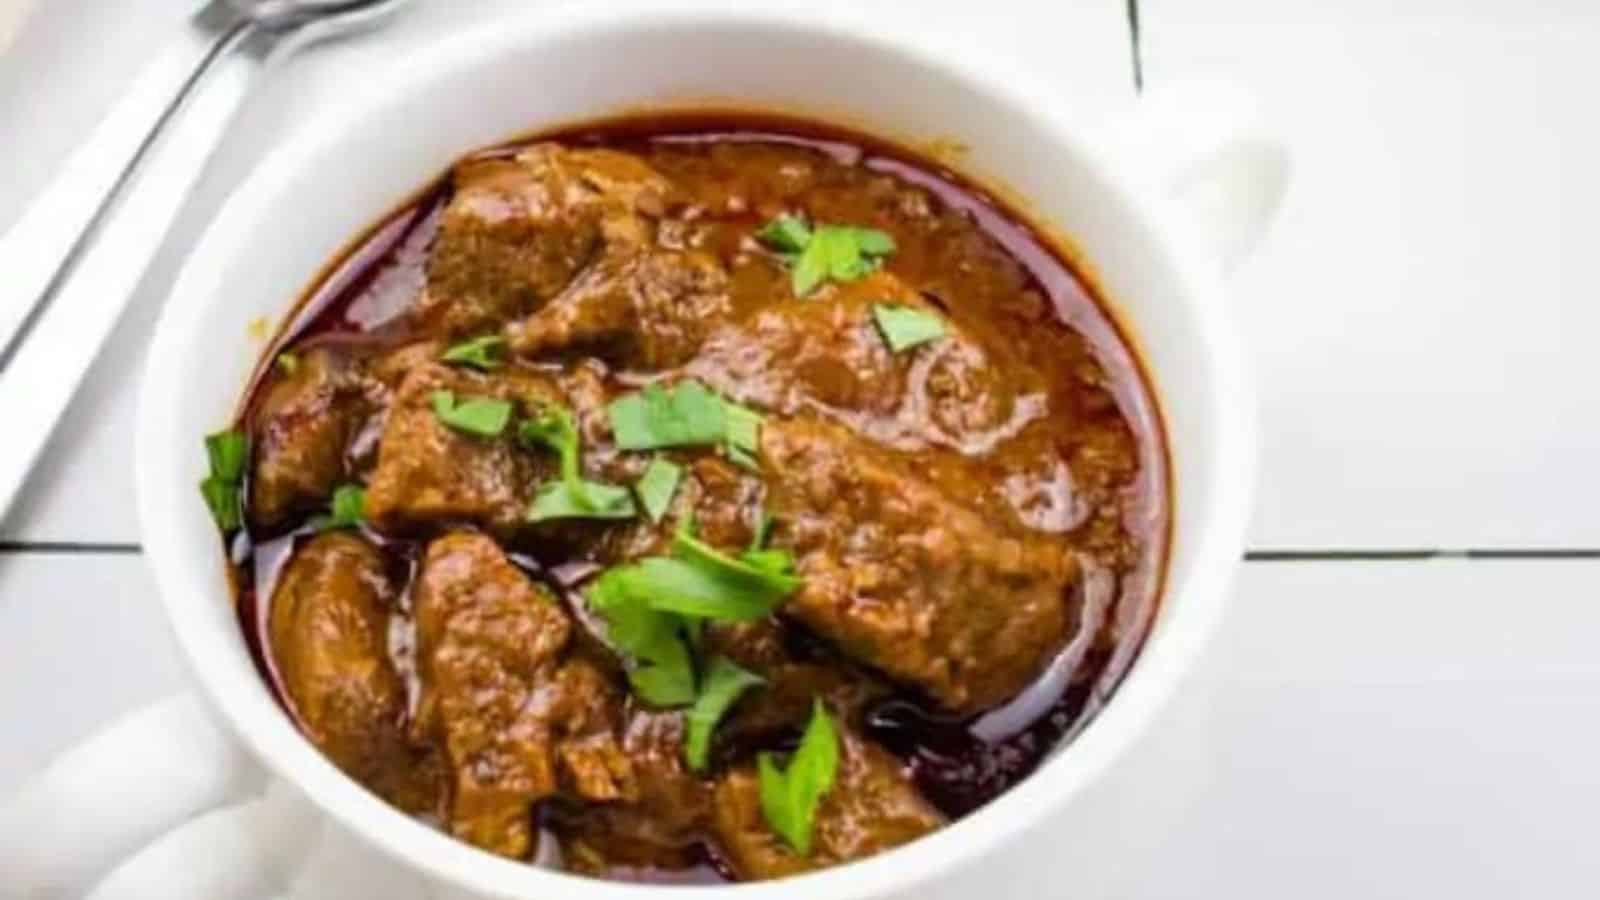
(429, 473)
(660, 825)
(673, 802)
(871, 808)
(640, 307)
(518, 719)
(517, 230)
(302, 428)
(794, 679)
(723, 499)
(827, 357)
(329, 637)
(902, 577)
(388, 370)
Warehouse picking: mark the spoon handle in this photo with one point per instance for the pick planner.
(75, 257)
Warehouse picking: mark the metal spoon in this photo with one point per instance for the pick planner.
(75, 256)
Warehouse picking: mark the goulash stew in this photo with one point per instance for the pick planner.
(695, 498)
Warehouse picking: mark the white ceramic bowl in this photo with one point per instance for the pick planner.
(1110, 195)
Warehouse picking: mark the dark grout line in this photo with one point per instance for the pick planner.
(1551, 553)
(1369, 555)
(1138, 52)
(68, 548)
(1341, 555)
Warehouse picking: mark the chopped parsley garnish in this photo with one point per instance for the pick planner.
(688, 414)
(653, 605)
(767, 559)
(685, 415)
(479, 416)
(661, 670)
(904, 327)
(573, 497)
(287, 363)
(671, 585)
(767, 574)
(558, 500)
(786, 234)
(226, 453)
(743, 437)
(763, 532)
(822, 252)
(346, 510)
(789, 797)
(667, 678)
(486, 352)
(657, 486)
(701, 582)
(724, 682)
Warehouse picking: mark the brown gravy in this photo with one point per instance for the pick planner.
(1032, 302)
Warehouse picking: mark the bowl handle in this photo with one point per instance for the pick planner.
(104, 799)
(277, 846)
(1202, 148)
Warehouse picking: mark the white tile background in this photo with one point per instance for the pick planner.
(1420, 326)
(1420, 318)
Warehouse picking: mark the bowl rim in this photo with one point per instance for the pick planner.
(263, 728)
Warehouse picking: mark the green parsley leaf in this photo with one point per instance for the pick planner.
(657, 485)
(686, 588)
(873, 242)
(684, 415)
(689, 548)
(743, 439)
(695, 629)
(557, 430)
(773, 560)
(839, 252)
(651, 604)
(226, 452)
(697, 581)
(742, 458)
(904, 327)
(226, 456)
(846, 262)
(767, 559)
(723, 683)
(665, 676)
(479, 416)
(485, 352)
(573, 497)
(661, 671)
(287, 363)
(222, 498)
(811, 267)
(347, 509)
(591, 500)
(349, 504)
(763, 532)
(631, 623)
(789, 798)
(786, 234)
(687, 414)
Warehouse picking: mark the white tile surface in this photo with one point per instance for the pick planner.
(81, 641)
(1399, 730)
(83, 491)
(1421, 319)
